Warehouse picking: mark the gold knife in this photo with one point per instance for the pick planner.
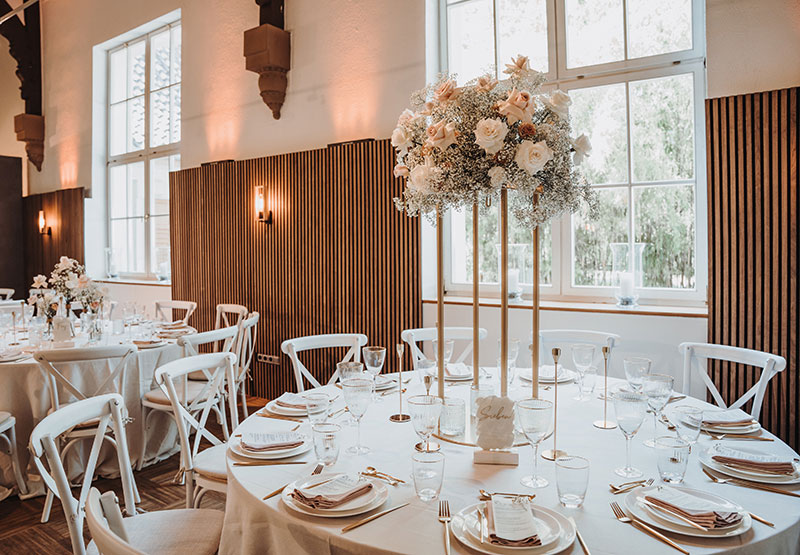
(371, 518)
(580, 538)
(484, 525)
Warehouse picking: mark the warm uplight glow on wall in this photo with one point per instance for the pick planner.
(68, 175)
(43, 229)
(263, 215)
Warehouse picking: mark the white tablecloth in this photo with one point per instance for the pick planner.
(24, 393)
(256, 526)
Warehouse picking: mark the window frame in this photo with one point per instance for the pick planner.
(146, 154)
(690, 61)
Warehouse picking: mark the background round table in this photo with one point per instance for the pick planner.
(256, 526)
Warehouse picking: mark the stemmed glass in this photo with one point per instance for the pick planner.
(513, 352)
(636, 368)
(688, 422)
(658, 388)
(349, 370)
(582, 356)
(425, 412)
(357, 395)
(448, 350)
(374, 358)
(630, 409)
(427, 373)
(535, 419)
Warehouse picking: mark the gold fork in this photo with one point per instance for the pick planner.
(626, 489)
(444, 517)
(746, 484)
(719, 437)
(317, 470)
(620, 515)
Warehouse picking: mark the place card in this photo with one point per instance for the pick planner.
(512, 518)
(495, 417)
(264, 441)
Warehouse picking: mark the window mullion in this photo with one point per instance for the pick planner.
(629, 112)
(146, 211)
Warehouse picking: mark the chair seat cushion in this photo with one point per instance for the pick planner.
(211, 462)
(174, 532)
(193, 390)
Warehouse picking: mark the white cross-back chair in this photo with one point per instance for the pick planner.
(696, 355)
(291, 347)
(566, 338)
(170, 532)
(53, 362)
(229, 315)
(8, 436)
(419, 335)
(107, 410)
(203, 470)
(165, 310)
(244, 355)
(6, 293)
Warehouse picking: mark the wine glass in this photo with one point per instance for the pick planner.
(658, 388)
(630, 409)
(513, 353)
(582, 357)
(374, 357)
(357, 395)
(427, 372)
(688, 422)
(448, 350)
(636, 368)
(425, 412)
(346, 371)
(535, 419)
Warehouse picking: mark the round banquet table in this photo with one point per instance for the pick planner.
(256, 526)
(24, 393)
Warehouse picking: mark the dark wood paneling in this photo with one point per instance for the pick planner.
(63, 211)
(12, 259)
(752, 197)
(337, 258)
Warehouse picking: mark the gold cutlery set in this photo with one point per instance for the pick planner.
(628, 486)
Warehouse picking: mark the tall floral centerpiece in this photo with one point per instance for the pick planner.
(461, 147)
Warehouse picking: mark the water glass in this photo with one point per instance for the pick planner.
(357, 396)
(572, 479)
(347, 370)
(513, 353)
(582, 357)
(317, 405)
(658, 388)
(427, 469)
(484, 389)
(452, 422)
(586, 383)
(426, 368)
(535, 419)
(688, 422)
(630, 409)
(636, 368)
(448, 349)
(326, 442)
(425, 412)
(672, 456)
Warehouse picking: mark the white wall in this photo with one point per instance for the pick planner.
(752, 46)
(11, 104)
(146, 295)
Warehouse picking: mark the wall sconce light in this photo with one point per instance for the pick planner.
(43, 229)
(262, 215)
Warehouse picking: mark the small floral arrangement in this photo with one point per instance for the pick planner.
(462, 145)
(92, 297)
(68, 278)
(68, 281)
(46, 303)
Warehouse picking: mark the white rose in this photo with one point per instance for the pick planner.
(441, 134)
(582, 147)
(559, 102)
(420, 178)
(401, 139)
(497, 176)
(490, 134)
(532, 157)
(405, 118)
(401, 170)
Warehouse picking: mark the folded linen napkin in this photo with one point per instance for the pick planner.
(174, 333)
(146, 342)
(173, 325)
(333, 494)
(699, 511)
(727, 418)
(782, 468)
(456, 370)
(291, 400)
(494, 539)
(259, 442)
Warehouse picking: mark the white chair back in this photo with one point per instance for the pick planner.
(564, 339)
(227, 336)
(13, 307)
(165, 309)
(51, 360)
(291, 347)
(6, 293)
(244, 352)
(418, 335)
(106, 408)
(229, 315)
(696, 355)
(106, 524)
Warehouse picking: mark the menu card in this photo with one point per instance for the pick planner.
(269, 441)
(331, 494)
(511, 522)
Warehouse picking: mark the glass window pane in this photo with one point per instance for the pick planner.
(600, 113)
(175, 113)
(521, 257)
(159, 185)
(117, 129)
(175, 55)
(522, 29)
(470, 39)
(657, 27)
(461, 246)
(662, 130)
(118, 191)
(127, 244)
(135, 124)
(664, 227)
(595, 33)
(136, 69)
(159, 60)
(592, 252)
(174, 162)
(117, 75)
(136, 189)
(159, 255)
(159, 118)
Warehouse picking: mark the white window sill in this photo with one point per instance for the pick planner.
(131, 281)
(564, 306)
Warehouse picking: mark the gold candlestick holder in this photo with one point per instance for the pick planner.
(400, 417)
(605, 423)
(554, 453)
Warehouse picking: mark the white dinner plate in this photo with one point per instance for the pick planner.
(464, 378)
(235, 444)
(383, 383)
(360, 505)
(273, 406)
(661, 520)
(564, 376)
(753, 476)
(566, 534)
(548, 527)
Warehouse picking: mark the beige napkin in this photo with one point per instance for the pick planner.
(260, 443)
(494, 539)
(177, 324)
(174, 334)
(706, 518)
(146, 342)
(332, 501)
(783, 468)
(291, 401)
(727, 419)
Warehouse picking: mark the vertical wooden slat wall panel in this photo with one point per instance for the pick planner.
(64, 215)
(752, 155)
(338, 257)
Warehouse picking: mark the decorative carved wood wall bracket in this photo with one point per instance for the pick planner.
(266, 51)
(30, 130)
